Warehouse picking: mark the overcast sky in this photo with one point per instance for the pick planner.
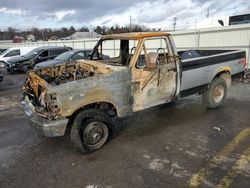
(25, 14)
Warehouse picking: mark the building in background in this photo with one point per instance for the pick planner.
(218, 21)
(30, 38)
(81, 35)
(18, 39)
(53, 38)
(239, 19)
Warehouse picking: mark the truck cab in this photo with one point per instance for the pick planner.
(154, 71)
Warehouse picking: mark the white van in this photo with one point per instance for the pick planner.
(14, 52)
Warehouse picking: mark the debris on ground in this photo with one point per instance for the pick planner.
(171, 170)
(191, 153)
(156, 164)
(176, 165)
(217, 129)
(244, 78)
(177, 175)
(146, 156)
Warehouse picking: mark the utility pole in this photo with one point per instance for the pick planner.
(130, 23)
(43, 34)
(174, 24)
(91, 30)
(207, 13)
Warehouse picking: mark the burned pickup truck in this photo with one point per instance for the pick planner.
(142, 71)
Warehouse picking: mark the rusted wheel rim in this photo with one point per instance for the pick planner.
(95, 134)
(218, 93)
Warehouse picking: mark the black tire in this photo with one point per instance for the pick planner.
(90, 130)
(10, 71)
(215, 95)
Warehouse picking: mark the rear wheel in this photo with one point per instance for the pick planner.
(90, 130)
(215, 95)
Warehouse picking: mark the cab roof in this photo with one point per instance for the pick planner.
(136, 35)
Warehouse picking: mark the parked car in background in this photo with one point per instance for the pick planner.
(14, 52)
(37, 55)
(1, 76)
(65, 57)
(2, 50)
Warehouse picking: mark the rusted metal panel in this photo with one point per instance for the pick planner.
(136, 35)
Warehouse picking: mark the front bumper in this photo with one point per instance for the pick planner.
(11, 67)
(46, 127)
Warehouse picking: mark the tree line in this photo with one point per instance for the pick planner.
(48, 33)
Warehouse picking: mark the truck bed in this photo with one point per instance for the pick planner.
(199, 67)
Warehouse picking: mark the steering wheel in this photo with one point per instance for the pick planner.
(130, 55)
(164, 53)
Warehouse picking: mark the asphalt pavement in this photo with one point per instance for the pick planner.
(173, 145)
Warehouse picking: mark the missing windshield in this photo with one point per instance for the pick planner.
(114, 52)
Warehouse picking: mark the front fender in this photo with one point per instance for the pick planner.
(114, 89)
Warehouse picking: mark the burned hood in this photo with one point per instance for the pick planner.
(42, 80)
(96, 66)
(78, 70)
(59, 91)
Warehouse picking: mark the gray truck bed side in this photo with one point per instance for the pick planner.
(199, 71)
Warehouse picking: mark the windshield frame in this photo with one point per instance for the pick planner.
(96, 56)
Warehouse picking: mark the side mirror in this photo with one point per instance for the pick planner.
(221, 22)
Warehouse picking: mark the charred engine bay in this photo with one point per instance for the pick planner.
(64, 73)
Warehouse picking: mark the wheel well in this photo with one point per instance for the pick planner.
(222, 72)
(3, 62)
(226, 75)
(107, 107)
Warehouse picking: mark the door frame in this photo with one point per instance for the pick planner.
(138, 75)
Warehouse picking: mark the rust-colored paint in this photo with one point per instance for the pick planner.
(34, 81)
(136, 35)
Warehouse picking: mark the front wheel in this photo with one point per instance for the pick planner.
(90, 130)
(215, 95)
(10, 71)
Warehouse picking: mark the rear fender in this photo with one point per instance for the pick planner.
(227, 77)
(224, 73)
